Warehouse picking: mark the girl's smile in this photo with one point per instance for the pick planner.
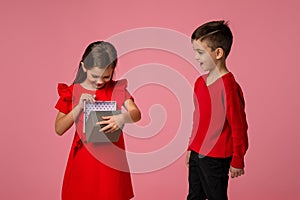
(97, 78)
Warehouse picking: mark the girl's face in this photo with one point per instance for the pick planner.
(96, 77)
(204, 55)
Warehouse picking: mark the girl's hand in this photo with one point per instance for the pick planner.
(86, 97)
(113, 123)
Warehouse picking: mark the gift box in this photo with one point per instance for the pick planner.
(93, 113)
(92, 130)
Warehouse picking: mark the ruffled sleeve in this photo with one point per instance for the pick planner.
(64, 103)
(120, 92)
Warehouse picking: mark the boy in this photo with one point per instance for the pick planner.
(219, 138)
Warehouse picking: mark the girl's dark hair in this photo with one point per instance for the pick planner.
(98, 54)
(216, 33)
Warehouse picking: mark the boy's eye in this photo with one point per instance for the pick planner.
(95, 76)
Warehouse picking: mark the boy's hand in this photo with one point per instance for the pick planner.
(187, 158)
(236, 172)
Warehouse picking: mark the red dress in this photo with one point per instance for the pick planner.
(95, 170)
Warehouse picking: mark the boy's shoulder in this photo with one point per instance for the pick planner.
(200, 82)
(201, 79)
(231, 79)
(231, 85)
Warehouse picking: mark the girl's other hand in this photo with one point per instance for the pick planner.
(113, 123)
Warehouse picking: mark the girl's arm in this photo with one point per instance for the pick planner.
(133, 113)
(64, 121)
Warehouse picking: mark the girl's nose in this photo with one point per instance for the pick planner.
(100, 81)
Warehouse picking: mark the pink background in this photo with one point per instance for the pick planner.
(41, 44)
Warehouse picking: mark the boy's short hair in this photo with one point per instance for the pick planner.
(216, 33)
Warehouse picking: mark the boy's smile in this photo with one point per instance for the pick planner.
(204, 55)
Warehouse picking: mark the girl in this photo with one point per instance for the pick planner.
(87, 176)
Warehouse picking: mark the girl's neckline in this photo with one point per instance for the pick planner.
(212, 83)
(94, 90)
(86, 88)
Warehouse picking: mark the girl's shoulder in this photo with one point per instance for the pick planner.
(122, 83)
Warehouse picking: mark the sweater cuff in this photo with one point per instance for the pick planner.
(237, 162)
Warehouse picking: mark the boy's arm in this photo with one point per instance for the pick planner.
(196, 112)
(236, 117)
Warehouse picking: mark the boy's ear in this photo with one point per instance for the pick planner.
(219, 53)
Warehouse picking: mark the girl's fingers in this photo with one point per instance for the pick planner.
(87, 98)
(104, 121)
(105, 129)
(108, 129)
(90, 98)
(106, 117)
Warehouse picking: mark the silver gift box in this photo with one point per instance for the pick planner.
(92, 130)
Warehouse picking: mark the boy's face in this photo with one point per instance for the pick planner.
(204, 55)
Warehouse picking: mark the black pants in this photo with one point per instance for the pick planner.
(208, 177)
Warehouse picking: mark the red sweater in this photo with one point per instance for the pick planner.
(219, 125)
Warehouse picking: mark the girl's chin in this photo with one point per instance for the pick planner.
(99, 87)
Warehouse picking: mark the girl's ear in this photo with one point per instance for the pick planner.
(219, 53)
(83, 67)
